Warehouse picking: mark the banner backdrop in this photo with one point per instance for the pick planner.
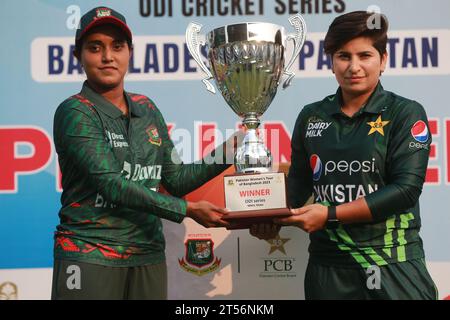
(38, 72)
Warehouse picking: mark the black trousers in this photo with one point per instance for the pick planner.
(407, 280)
(86, 281)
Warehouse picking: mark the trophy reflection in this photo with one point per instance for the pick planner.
(247, 61)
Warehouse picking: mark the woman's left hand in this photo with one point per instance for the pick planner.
(310, 218)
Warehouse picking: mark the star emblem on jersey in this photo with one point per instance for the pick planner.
(377, 126)
(153, 135)
(277, 243)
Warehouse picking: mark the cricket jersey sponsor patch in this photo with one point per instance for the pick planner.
(316, 127)
(316, 166)
(340, 167)
(141, 172)
(116, 140)
(419, 131)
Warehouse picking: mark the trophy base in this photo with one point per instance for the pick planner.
(245, 219)
(254, 198)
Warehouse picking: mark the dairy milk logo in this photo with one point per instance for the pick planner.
(316, 166)
(419, 131)
(316, 127)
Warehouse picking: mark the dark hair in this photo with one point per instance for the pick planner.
(357, 24)
(79, 42)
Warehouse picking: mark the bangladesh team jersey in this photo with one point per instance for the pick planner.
(112, 166)
(380, 153)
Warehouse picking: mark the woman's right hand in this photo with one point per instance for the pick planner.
(206, 214)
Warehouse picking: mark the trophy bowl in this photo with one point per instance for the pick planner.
(247, 62)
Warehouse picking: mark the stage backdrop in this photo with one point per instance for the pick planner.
(38, 72)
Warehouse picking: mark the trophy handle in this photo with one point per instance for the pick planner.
(298, 38)
(193, 43)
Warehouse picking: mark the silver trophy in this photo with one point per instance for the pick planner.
(247, 61)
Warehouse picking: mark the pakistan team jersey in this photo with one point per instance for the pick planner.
(112, 166)
(380, 153)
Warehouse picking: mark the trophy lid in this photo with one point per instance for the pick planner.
(247, 31)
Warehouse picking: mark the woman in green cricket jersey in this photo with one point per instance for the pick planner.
(114, 152)
(362, 153)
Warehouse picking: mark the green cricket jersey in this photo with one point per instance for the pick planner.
(381, 153)
(112, 166)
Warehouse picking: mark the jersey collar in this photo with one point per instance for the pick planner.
(107, 107)
(375, 104)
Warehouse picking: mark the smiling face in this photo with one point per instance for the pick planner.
(357, 66)
(105, 56)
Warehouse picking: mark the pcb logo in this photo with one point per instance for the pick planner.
(199, 258)
(153, 135)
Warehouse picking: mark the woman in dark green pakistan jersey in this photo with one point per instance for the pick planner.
(362, 153)
(114, 151)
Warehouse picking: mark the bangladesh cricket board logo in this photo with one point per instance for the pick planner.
(199, 258)
(153, 135)
(103, 12)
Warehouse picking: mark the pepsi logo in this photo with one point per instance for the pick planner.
(316, 166)
(419, 131)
